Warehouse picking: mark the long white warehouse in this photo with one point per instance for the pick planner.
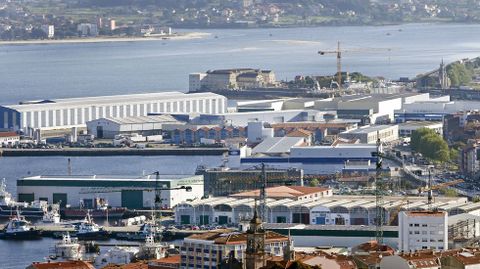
(120, 191)
(75, 112)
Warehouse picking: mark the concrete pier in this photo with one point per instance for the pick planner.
(111, 152)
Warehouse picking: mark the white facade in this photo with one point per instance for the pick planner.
(49, 30)
(111, 188)
(419, 230)
(110, 127)
(258, 131)
(9, 139)
(370, 134)
(75, 112)
(406, 129)
(195, 81)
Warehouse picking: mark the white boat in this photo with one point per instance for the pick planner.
(116, 255)
(19, 229)
(146, 229)
(152, 250)
(89, 230)
(52, 216)
(8, 206)
(68, 249)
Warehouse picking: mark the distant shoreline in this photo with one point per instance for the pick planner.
(103, 39)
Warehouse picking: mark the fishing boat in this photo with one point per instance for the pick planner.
(18, 228)
(9, 207)
(68, 249)
(89, 230)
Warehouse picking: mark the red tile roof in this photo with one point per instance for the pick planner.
(283, 192)
(171, 260)
(8, 134)
(235, 237)
(62, 265)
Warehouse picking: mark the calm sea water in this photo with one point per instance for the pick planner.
(18, 255)
(30, 72)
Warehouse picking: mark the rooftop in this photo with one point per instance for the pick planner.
(100, 100)
(369, 129)
(277, 145)
(283, 192)
(234, 237)
(8, 134)
(425, 213)
(108, 177)
(63, 265)
(142, 119)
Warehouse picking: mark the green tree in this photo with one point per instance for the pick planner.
(460, 74)
(314, 182)
(430, 144)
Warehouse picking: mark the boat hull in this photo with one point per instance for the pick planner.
(80, 213)
(100, 235)
(26, 235)
(7, 212)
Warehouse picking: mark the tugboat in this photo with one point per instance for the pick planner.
(68, 249)
(89, 230)
(8, 206)
(19, 229)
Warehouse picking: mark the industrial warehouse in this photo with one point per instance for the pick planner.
(75, 112)
(120, 191)
(310, 206)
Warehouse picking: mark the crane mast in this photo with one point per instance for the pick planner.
(379, 195)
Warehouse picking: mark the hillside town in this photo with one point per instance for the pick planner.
(55, 19)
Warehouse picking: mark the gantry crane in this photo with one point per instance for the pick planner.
(338, 52)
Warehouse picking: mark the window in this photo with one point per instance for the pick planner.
(411, 225)
(424, 232)
(424, 225)
(417, 232)
(416, 225)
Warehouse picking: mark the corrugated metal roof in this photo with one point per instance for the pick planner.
(142, 119)
(108, 100)
(277, 145)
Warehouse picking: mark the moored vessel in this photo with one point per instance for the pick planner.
(18, 228)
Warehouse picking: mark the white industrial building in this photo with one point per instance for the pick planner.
(419, 230)
(75, 112)
(370, 134)
(311, 209)
(433, 110)
(318, 160)
(407, 128)
(144, 125)
(120, 191)
(375, 108)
